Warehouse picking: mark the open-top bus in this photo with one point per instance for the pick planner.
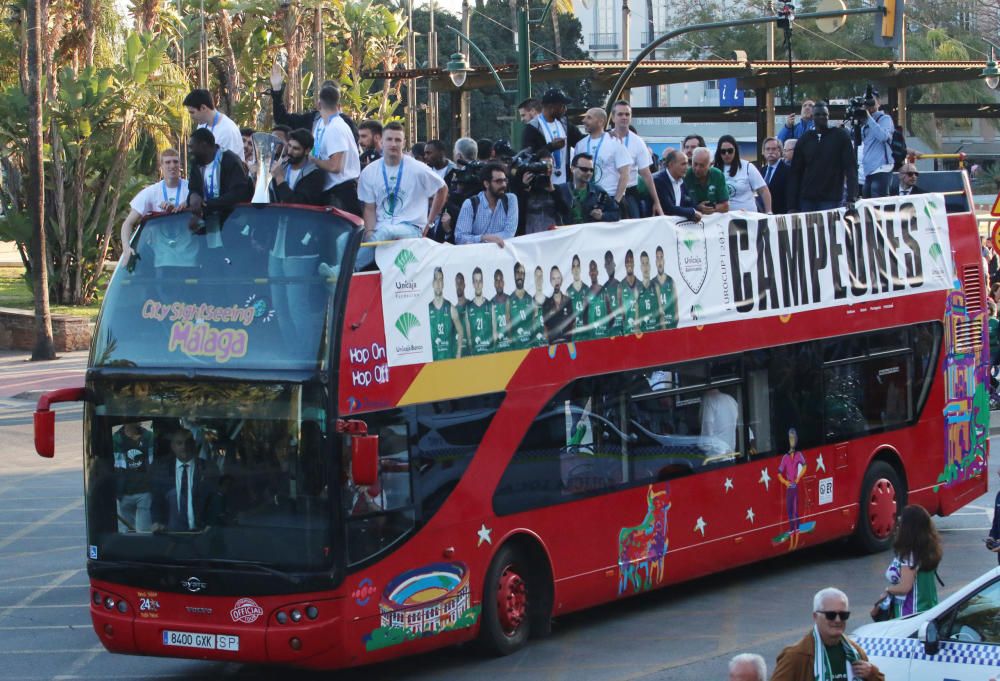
(273, 476)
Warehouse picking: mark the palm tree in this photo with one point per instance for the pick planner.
(44, 346)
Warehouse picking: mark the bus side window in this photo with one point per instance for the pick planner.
(797, 392)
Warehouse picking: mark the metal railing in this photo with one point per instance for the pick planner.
(603, 41)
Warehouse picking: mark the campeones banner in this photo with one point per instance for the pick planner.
(606, 279)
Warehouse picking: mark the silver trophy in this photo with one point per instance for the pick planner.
(266, 147)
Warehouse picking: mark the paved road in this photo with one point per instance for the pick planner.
(684, 633)
(20, 377)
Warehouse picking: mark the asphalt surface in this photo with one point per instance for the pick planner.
(683, 633)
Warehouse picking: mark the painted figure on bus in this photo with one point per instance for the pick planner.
(446, 326)
(966, 411)
(667, 293)
(501, 314)
(578, 293)
(642, 549)
(790, 472)
(461, 305)
(522, 312)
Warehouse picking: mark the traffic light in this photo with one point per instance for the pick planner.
(889, 25)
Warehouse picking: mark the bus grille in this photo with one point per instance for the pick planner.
(968, 328)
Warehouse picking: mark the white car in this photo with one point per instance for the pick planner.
(956, 640)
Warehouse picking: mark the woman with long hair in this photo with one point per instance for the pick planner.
(742, 178)
(913, 573)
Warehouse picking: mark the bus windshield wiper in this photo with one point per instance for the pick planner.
(253, 564)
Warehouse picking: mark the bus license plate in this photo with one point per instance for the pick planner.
(187, 639)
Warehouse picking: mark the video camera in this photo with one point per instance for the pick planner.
(857, 107)
(528, 161)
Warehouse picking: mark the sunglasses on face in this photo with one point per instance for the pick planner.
(726, 152)
(831, 615)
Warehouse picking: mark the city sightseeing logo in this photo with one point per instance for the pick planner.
(246, 611)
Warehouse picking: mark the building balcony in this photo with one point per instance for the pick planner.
(603, 41)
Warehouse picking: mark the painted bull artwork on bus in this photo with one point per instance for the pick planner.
(642, 549)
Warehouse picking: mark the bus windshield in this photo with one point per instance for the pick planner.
(251, 292)
(178, 472)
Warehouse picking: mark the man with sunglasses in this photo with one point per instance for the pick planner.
(825, 653)
(589, 202)
(906, 181)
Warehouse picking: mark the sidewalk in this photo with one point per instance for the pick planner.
(23, 379)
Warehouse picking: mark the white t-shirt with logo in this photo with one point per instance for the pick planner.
(609, 155)
(227, 133)
(743, 185)
(152, 198)
(332, 137)
(641, 158)
(416, 186)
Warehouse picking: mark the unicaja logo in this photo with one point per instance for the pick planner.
(404, 259)
(406, 322)
(246, 611)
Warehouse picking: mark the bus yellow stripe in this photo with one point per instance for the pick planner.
(467, 376)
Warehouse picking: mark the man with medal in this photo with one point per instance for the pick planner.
(612, 161)
(201, 107)
(166, 196)
(294, 177)
(335, 151)
(395, 192)
(218, 179)
(550, 129)
(621, 114)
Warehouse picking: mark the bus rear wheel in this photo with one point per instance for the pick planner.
(882, 497)
(507, 594)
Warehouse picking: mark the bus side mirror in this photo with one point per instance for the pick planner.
(928, 634)
(45, 418)
(45, 433)
(364, 460)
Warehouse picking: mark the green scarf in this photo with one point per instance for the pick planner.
(821, 663)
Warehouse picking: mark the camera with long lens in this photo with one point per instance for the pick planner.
(527, 161)
(857, 107)
(467, 172)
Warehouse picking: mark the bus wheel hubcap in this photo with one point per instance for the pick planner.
(512, 600)
(882, 508)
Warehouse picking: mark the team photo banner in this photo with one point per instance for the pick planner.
(637, 276)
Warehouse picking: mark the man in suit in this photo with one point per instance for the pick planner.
(905, 182)
(775, 173)
(670, 187)
(183, 488)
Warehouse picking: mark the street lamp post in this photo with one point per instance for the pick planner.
(458, 66)
(991, 73)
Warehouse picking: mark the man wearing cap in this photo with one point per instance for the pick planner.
(823, 164)
(551, 130)
(876, 135)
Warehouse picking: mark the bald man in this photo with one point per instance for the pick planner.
(612, 161)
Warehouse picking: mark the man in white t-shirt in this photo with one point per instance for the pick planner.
(621, 117)
(201, 107)
(336, 152)
(166, 196)
(395, 192)
(611, 160)
(720, 414)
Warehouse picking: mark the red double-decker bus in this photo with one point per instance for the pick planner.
(266, 483)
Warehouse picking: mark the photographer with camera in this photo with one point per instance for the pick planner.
(463, 183)
(873, 129)
(590, 203)
(491, 215)
(533, 182)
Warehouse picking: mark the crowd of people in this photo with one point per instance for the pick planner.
(488, 192)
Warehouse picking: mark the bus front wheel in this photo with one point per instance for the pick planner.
(506, 593)
(882, 499)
